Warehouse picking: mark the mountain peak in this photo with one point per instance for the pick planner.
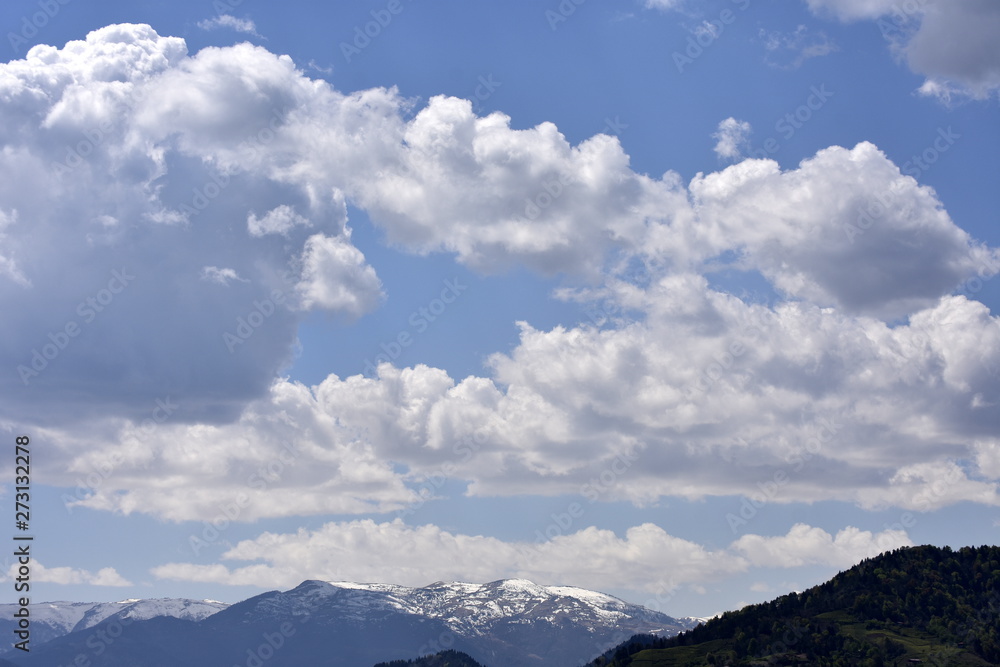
(503, 622)
(518, 585)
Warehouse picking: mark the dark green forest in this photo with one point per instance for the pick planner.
(443, 659)
(915, 605)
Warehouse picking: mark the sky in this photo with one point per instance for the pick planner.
(692, 302)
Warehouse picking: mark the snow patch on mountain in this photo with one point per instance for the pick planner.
(51, 620)
(503, 622)
(65, 617)
(473, 609)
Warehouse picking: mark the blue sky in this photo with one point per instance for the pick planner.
(687, 301)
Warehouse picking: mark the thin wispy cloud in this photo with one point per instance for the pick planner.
(665, 5)
(230, 22)
(221, 276)
(791, 50)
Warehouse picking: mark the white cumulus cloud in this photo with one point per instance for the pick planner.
(819, 386)
(643, 559)
(392, 551)
(106, 105)
(336, 277)
(732, 138)
(106, 576)
(280, 220)
(951, 42)
(807, 545)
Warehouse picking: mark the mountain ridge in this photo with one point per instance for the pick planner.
(503, 622)
(57, 618)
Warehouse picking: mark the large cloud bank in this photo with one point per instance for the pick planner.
(168, 219)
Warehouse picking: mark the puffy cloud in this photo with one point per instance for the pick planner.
(497, 196)
(280, 220)
(8, 265)
(407, 555)
(927, 486)
(285, 456)
(710, 396)
(196, 141)
(807, 545)
(106, 576)
(238, 132)
(988, 457)
(839, 406)
(732, 138)
(845, 229)
(956, 48)
(336, 277)
(951, 42)
(639, 560)
(152, 250)
(689, 375)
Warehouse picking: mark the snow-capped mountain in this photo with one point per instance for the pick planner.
(55, 619)
(501, 623)
(478, 609)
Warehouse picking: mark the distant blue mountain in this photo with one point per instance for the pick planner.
(502, 623)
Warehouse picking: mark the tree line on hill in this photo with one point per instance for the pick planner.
(917, 604)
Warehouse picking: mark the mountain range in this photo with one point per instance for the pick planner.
(50, 620)
(505, 622)
(914, 605)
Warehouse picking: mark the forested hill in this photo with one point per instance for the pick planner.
(443, 659)
(915, 605)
